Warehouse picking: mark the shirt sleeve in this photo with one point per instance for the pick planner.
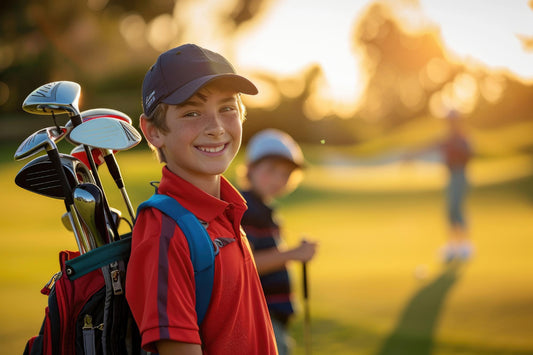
(160, 286)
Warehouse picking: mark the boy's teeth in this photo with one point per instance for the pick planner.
(212, 149)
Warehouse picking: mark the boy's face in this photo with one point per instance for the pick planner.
(269, 177)
(204, 134)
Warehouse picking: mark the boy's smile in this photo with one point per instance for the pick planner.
(212, 149)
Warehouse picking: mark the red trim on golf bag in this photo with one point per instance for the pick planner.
(69, 297)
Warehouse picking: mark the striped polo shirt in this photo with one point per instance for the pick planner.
(264, 233)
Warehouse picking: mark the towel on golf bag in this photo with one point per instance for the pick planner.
(87, 310)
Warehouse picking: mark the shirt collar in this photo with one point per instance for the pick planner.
(203, 205)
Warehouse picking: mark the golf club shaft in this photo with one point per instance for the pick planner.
(81, 237)
(79, 234)
(307, 318)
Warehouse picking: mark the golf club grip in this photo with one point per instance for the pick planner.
(113, 168)
(92, 165)
(304, 273)
(76, 120)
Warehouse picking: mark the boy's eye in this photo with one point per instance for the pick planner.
(191, 114)
(227, 108)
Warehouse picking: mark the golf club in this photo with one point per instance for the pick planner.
(110, 159)
(112, 166)
(88, 203)
(107, 112)
(39, 176)
(117, 217)
(307, 318)
(79, 153)
(58, 98)
(106, 133)
(114, 170)
(35, 142)
(46, 175)
(109, 134)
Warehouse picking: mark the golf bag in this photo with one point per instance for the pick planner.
(87, 311)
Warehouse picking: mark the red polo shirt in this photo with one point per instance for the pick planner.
(160, 281)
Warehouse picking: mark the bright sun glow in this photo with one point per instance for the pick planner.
(292, 35)
(297, 33)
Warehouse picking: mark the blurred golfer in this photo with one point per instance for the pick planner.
(457, 152)
(274, 168)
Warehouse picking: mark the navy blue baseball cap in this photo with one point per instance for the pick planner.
(180, 72)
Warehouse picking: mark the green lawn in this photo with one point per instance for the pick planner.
(377, 229)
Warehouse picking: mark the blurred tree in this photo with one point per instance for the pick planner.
(398, 88)
(84, 41)
(245, 10)
(412, 75)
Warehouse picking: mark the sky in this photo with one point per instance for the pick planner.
(293, 34)
(486, 30)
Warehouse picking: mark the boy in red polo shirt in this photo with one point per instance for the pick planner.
(193, 119)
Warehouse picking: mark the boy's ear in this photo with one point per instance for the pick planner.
(152, 134)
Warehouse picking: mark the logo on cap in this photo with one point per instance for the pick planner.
(150, 99)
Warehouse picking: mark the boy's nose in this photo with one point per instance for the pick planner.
(214, 126)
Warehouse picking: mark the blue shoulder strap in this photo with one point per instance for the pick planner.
(200, 246)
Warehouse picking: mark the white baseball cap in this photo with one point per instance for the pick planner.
(274, 143)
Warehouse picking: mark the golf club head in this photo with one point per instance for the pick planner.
(117, 216)
(79, 153)
(97, 113)
(77, 168)
(88, 201)
(41, 177)
(104, 112)
(38, 141)
(57, 97)
(106, 133)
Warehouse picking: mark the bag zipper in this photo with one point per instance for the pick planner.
(88, 331)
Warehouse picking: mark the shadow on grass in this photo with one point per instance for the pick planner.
(329, 336)
(415, 330)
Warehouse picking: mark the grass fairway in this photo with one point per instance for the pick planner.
(377, 286)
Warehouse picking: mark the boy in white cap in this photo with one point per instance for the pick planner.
(274, 160)
(193, 119)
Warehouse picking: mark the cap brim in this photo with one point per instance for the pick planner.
(234, 81)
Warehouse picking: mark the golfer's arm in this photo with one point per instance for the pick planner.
(271, 260)
(169, 347)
